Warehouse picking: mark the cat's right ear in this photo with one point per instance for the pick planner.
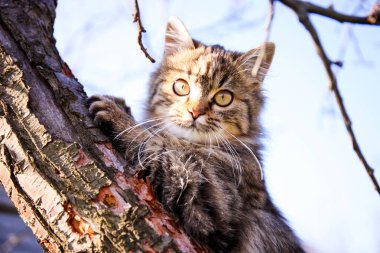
(177, 37)
(257, 61)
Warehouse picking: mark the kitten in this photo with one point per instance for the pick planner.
(200, 146)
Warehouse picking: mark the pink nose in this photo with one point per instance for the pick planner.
(196, 112)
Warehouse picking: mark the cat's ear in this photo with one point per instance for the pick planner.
(177, 37)
(258, 60)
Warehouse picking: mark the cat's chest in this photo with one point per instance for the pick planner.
(231, 160)
(205, 155)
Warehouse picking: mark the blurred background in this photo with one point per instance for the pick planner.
(311, 170)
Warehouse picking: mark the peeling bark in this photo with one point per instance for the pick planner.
(70, 186)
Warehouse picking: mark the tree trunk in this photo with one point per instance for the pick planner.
(68, 183)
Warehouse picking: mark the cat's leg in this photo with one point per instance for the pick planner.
(110, 114)
(206, 206)
(114, 118)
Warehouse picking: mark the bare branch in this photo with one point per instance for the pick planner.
(302, 10)
(270, 19)
(141, 29)
(371, 19)
(261, 56)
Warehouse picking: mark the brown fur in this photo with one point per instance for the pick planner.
(203, 159)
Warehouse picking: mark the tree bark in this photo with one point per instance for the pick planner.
(69, 184)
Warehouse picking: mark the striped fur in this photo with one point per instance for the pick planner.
(203, 160)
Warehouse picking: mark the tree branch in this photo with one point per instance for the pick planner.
(70, 186)
(302, 9)
(141, 29)
(371, 19)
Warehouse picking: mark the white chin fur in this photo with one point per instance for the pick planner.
(190, 134)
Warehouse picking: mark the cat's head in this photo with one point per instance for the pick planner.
(202, 93)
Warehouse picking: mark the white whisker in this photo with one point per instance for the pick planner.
(146, 130)
(210, 147)
(145, 141)
(235, 157)
(156, 156)
(129, 129)
(250, 151)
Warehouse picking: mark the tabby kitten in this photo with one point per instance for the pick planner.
(200, 146)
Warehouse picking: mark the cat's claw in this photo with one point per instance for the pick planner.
(118, 101)
(107, 110)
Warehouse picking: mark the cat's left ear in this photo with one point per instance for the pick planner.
(177, 37)
(258, 60)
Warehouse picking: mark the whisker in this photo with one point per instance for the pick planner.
(146, 130)
(210, 148)
(145, 141)
(235, 157)
(147, 160)
(250, 151)
(217, 140)
(129, 129)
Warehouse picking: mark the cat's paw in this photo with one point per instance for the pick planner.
(109, 113)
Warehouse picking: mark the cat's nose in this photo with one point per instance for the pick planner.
(196, 112)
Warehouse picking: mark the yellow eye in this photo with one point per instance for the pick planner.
(223, 98)
(181, 87)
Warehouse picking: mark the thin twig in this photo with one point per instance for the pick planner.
(371, 19)
(351, 38)
(262, 53)
(302, 12)
(141, 29)
(270, 20)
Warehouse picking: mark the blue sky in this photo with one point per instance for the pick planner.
(311, 170)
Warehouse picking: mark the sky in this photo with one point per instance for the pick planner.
(311, 170)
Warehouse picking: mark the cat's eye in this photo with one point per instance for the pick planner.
(181, 87)
(223, 98)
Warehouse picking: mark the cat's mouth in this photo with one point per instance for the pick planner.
(189, 130)
(193, 124)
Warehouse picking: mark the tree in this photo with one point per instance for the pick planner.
(68, 183)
